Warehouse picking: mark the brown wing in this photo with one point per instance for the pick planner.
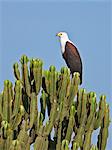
(73, 59)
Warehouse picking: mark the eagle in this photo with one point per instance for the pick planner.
(70, 54)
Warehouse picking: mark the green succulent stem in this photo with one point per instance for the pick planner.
(49, 110)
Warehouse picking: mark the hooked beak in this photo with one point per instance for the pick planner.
(58, 34)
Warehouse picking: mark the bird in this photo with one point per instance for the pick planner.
(70, 54)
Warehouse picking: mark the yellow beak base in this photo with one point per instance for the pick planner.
(58, 34)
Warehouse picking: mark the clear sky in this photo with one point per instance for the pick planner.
(29, 27)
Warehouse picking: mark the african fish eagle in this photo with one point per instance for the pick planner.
(70, 54)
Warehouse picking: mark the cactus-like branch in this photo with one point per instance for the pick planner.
(47, 108)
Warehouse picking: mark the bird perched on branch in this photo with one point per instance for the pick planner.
(70, 54)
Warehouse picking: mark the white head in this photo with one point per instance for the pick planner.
(62, 35)
(63, 39)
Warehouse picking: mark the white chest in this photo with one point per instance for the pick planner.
(63, 43)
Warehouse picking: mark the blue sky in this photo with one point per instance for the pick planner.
(29, 27)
